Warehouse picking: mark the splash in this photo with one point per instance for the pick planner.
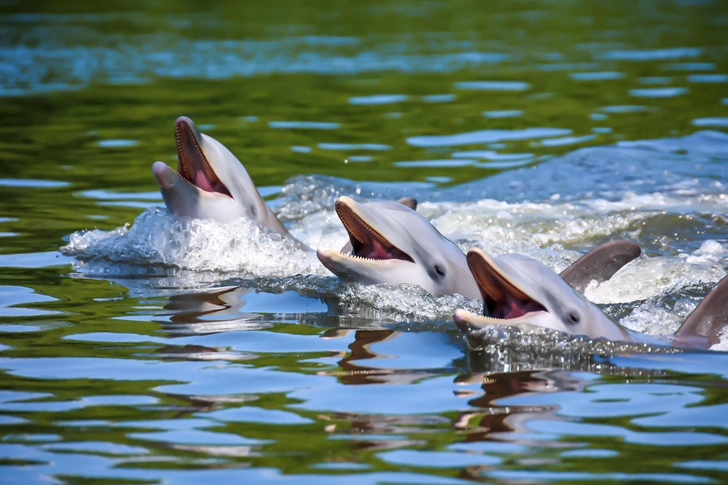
(159, 239)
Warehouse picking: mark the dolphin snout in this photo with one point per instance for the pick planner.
(163, 174)
(344, 201)
(184, 122)
(461, 318)
(324, 255)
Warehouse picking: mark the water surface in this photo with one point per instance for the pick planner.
(156, 350)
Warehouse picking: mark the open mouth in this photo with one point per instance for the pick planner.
(502, 300)
(366, 243)
(193, 166)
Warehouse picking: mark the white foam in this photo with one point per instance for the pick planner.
(158, 238)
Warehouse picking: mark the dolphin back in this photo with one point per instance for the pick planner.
(703, 327)
(600, 263)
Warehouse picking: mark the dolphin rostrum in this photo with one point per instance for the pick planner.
(210, 182)
(520, 291)
(390, 243)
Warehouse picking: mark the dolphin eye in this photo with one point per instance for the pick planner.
(252, 210)
(439, 270)
(573, 318)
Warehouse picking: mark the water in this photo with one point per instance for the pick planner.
(156, 350)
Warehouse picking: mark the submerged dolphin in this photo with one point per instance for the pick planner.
(210, 183)
(520, 291)
(391, 243)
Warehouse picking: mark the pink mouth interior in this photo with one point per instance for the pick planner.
(372, 248)
(365, 241)
(193, 166)
(511, 307)
(500, 298)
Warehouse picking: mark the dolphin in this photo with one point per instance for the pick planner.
(210, 182)
(522, 292)
(394, 244)
(391, 243)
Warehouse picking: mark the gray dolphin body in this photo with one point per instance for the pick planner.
(210, 182)
(520, 291)
(391, 243)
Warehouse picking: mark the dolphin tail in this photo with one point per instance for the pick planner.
(704, 325)
(600, 263)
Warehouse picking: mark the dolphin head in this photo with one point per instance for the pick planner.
(210, 182)
(391, 243)
(520, 291)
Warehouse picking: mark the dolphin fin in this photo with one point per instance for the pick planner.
(406, 201)
(409, 202)
(600, 263)
(703, 326)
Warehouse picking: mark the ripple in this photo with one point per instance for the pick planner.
(33, 184)
(102, 447)
(506, 164)
(340, 466)
(102, 194)
(360, 158)
(667, 438)
(11, 297)
(250, 414)
(549, 476)
(379, 99)
(705, 465)
(138, 60)
(567, 140)
(304, 125)
(690, 66)
(493, 85)
(435, 163)
(512, 113)
(690, 417)
(485, 136)
(353, 146)
(438, 98)
(716, 122)
(657, 92)
(708, 78)
(706, 142)
(596, 76)
(591, 453)
(437, 459)
(625, 109)
(652, 54)
(197, 437)
(492, 155)
(117, 143)
(655, 80)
